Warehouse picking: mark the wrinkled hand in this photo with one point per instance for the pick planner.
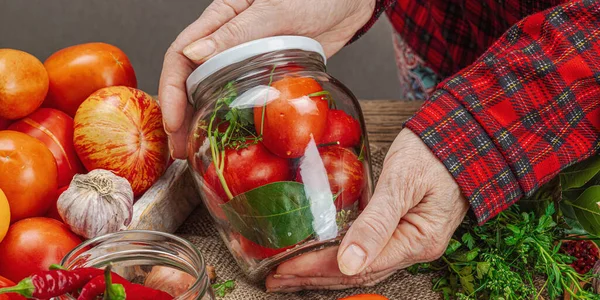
(227, 23)
(411, 217)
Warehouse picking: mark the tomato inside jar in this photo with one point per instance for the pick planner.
(278, 150)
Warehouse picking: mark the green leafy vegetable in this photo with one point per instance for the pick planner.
(222, 289)
(500, 259)
(587, 209)
(275, 215)
(579, 174)
(468, 240)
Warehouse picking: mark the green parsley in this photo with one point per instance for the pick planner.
(501, 259)
(223, 288)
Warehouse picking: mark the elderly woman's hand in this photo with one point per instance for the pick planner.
(227, 23)
(416, 207)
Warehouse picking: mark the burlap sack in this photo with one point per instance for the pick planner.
(199, 230)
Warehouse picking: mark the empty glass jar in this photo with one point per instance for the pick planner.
(155, 259)
(278, 150)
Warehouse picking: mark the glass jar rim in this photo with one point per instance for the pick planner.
(250, 49)
(201, 273)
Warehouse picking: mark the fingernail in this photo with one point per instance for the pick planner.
(166, 128)
(199, 50)
(171, 149)
(352, 260)
(283, 276)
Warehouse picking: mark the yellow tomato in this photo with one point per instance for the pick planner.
(4, 215)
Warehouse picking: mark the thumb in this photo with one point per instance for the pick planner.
(372, 230)
(253, 23)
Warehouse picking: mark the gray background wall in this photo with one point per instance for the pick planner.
(144, 29)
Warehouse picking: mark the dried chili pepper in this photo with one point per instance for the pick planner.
(53, 283)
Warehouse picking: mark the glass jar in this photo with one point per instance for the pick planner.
(155, 259)
(278, 150)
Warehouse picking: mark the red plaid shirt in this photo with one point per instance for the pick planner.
(525, 102)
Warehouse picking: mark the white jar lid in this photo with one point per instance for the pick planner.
(248, 50)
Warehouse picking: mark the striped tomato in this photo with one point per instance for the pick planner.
(120, 129)
(55, 129)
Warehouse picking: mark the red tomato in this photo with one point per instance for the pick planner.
(53, 210)
(4, 282)
(120, 129)
(293, 118)
(32, 245)
(345, 173)
(365, 297)
(341, 128)
(257, 251)
(28, 174)
(78, 71)
(4, 123)
(23, 83)
(246, 169)
(55, 129)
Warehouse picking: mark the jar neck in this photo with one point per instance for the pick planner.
(256, 69)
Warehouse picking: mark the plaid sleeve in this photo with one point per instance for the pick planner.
(527, 108)
(380, 7)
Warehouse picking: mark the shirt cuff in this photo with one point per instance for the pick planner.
(469, 154)
(380, 7)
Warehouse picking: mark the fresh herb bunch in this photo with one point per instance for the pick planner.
(501, 259)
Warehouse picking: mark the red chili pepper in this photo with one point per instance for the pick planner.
(54, 283)
(97, 286)
(130, 291)
(140, 292)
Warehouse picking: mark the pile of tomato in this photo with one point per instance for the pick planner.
(273, 147)
(56, 121)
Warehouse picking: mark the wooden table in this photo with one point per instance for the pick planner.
(384, 119)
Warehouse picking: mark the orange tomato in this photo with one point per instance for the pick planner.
(23, 83)
(53, 210)
(5, 282)
(365, 297)
(28, 174)
(55, 129)
(32, 245)
(4, 215)
(78, 71)
(120, 129)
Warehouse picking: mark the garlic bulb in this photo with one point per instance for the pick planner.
(96, 203)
